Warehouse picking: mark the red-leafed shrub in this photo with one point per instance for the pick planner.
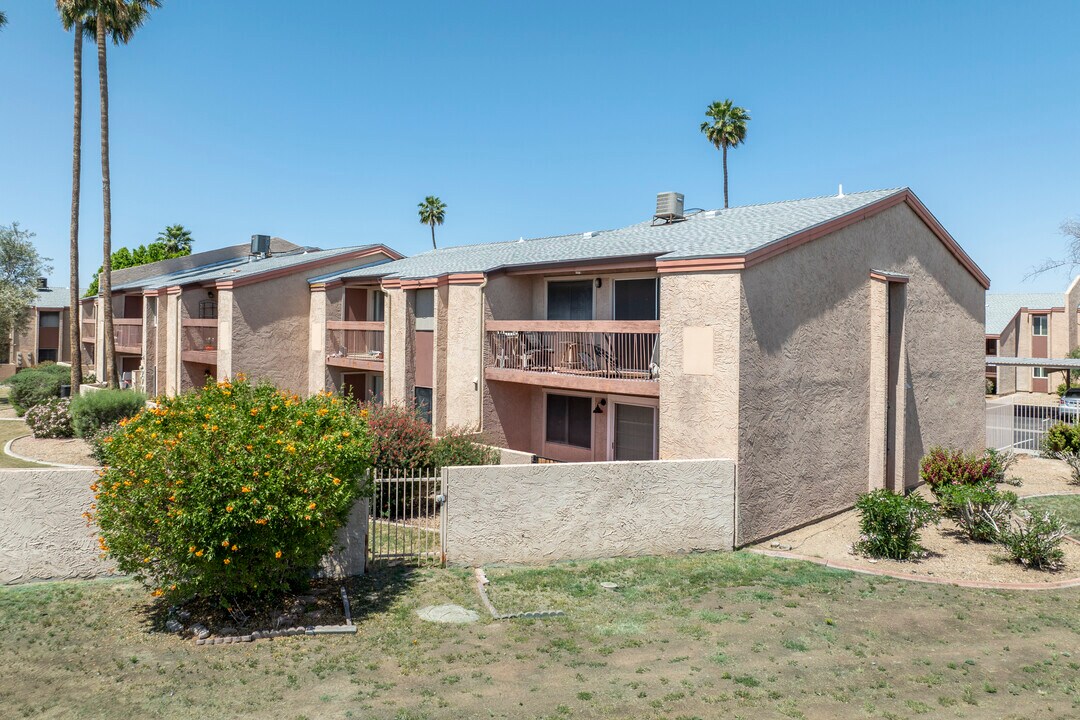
(400, 438)
(954, 467)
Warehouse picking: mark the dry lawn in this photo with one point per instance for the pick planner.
(731, 635)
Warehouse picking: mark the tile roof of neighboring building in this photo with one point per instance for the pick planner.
(237, 268)
(54, 297)
(1001, 307)
(713, 233)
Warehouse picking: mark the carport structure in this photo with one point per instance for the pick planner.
(1049, 365)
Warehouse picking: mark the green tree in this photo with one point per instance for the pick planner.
(175, 238)
(117, 20)
(20, 267)
(142, 255)
(72, 14)
(3, 19)
(727, 129)
(432, 213)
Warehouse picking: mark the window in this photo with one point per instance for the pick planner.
(425, 309)
(49, 320)
(378, 307)
(991, 346)
(1039, 373)
(377, 389)
(47, 355)
(422, 397)
(1039, 325)
(637, 299)
(569, 420)
(570, 300)
(635, 432)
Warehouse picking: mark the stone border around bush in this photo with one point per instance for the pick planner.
(11, 453)
(202, 635)
(839, 565)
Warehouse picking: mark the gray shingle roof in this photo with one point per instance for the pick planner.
(237, 268)
(1000, 307)
(713, 233)
(54, 298)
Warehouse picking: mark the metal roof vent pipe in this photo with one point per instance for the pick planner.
(260, 246)
(669, 208)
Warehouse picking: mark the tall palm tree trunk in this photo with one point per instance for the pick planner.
(725, 177)
(433, 245)
(111, 375)
(75, 322)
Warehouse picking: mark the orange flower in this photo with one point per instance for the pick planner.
(290, 448)
(158, 592)
(149, 456)
(254, 412)
(224, 543)
(228, 508)
(245, 489)
(261, 521)
(198, 553)
(311, 506)
(337, 481)
(233, 548)
(278, 554)
(345, 433)
(299, 423)
(191, 549)
(226, 561)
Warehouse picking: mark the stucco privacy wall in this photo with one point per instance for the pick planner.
(44, 535)
(699, 361)
(805, 399)
(544, 513)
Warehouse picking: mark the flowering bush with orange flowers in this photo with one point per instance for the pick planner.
(234, 489)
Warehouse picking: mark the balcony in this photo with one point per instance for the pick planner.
(355, 345)
(89, 330)
(127, 335)
(593, 356)
(199, 340)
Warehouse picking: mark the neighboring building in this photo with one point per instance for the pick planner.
(823, 344)
(215, 314)
(46, 337)
(1030, 325)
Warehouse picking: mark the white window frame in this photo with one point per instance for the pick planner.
(612, 400)
(1046, 327)
(1040, 373)
(592, 425)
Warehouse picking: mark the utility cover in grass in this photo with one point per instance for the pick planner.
(447, 614)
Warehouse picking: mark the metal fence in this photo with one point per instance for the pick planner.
(1021, 427)
(407, 521)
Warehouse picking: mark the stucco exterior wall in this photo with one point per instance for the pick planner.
(1007, 347)
(270, 332)
(45, 536)
(805, 391)
(699, 365)
(398, 367)
(464, 356)
(544, 513)
(318, 378)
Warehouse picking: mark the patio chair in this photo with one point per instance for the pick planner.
(536, 354)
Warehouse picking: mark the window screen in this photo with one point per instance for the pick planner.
(425, 303)
(49, 320)
(569, 420)
(637, 299)
(422, 395)
(378, 307)
(570, 300)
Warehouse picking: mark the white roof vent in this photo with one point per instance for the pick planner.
(587, 235)
(709, 214)
(669, 207)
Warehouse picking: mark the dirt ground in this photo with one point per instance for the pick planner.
(731, 635)
(950, 556)
(70, 451)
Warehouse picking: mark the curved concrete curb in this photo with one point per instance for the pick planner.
(44, 463)
(1057, 585)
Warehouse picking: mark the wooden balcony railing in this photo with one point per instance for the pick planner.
(604, 349)
(89, 331)
(354, 344)
(127, 334)
(199, 340)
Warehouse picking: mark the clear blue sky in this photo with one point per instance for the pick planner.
(533, 119)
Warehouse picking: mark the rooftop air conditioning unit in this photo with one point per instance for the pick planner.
(669, 207)
(260, 245)
(42, 283)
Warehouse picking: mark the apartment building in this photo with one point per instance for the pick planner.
(823, 344)
(242, 308)
(1030, 325)
(47, 334)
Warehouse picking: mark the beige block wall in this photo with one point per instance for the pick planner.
(700, 365)
(464, 359)
(317, 317)
(805, 394)
(398, 368)
(544, 513)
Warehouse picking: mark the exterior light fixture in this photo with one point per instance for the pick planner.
(599, 407)
(599, 282)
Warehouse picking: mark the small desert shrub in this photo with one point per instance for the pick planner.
(1035, 540)
(51, 419)
(231, 490)
(456, 447)
(400, 438)
(954, 467)
(1001, 461)
(91, 412)
(1061, 438)
(37, 385)
(979, 510)
(890, 523)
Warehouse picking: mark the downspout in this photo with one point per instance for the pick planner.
(480, 364)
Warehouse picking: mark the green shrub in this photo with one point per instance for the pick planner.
(1061, 438)
(979, 510)
(231, 490)
(36, 385)
(97, 443)
(456, 447)
(50, 419)
(890, 523)
(91, 412)
(1000, 463)
(1035, 540)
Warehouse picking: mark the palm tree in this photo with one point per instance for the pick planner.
(3, 19)
(118, 19)
(175, 238)
(72, 13)
(432, 212)
(727, 129)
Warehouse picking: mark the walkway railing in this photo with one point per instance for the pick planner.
(349, 341)
(1021, 427)
(127, 334)
(610, 349)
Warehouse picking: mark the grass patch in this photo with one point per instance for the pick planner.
(1067, 506)
(9, 430)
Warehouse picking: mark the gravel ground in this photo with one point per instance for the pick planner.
(950, 556)
(68, 452)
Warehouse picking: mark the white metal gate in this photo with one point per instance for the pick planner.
(407, 519)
